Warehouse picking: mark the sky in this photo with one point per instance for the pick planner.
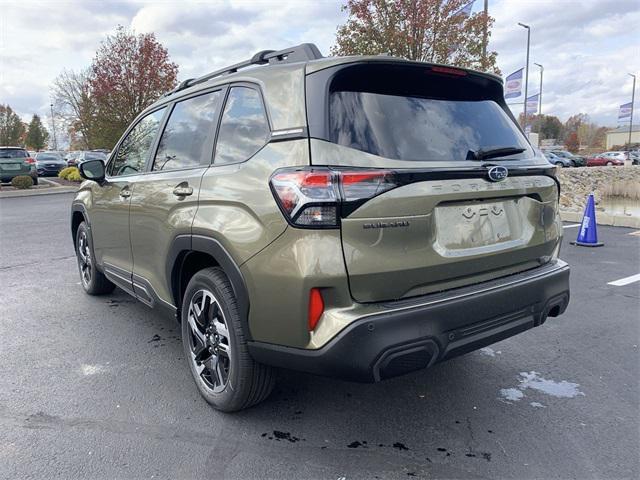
(587, 47)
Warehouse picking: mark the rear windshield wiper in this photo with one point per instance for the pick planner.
(482, 154)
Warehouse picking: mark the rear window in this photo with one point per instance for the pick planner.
(47, 156)
(13, 153)
(416, 114)
(95, 156)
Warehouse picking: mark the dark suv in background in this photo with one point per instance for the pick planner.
(358, 217)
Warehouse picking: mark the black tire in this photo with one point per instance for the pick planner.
(95, 283)
(247, 382)
(572, 164)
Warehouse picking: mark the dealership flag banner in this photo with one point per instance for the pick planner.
(513, 85)
(625, 111)
(532, 103)
(466, 10)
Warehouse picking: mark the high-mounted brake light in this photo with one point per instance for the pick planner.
(449, 71)
(310, 197)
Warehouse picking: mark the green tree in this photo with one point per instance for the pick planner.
(11, 127)
(128, 73)
(37, 135)
(425, 30)
(547, 126)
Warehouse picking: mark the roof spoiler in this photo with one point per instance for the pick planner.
(299, 53)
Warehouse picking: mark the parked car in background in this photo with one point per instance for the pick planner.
(90, 155)
(16, 161)
(576, 161)
(49, 163)
(71, 157)
(635, 158)
(608, 159)
(557, 161)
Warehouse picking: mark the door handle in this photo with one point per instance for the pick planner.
(182, 191)
(125, 193)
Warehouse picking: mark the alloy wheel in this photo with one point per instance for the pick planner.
(209, 341)
(84, 259)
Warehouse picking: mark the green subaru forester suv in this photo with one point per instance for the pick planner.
(356, 217)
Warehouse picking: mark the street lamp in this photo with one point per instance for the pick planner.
(633, 98)
(526, 77)
(540, 91)
(53, 127)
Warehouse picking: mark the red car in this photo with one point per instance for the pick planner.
(608, 159)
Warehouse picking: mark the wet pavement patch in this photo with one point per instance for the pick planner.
(278, 436)
(533, 380)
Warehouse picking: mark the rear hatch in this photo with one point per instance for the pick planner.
(414, 145)
(13, 162)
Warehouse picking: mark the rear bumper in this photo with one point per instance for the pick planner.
(414, 334)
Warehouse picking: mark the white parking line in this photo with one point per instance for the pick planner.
(571, 226)
(625, 281)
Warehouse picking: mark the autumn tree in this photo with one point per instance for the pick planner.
(11, 127)
(572, 143)
(37, 135)
(425, 30)
(129, 72)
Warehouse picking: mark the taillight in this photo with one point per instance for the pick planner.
(312, 197)
(316, 308)
(29, 160)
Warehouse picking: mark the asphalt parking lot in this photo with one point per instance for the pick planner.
(97, 387)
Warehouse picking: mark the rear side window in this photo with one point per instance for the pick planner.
(243, 129)
(134, 150)
(13, 153)
(415, 113)
(187, 140)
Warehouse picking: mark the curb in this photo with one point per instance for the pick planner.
(33, 193)
(603, 219)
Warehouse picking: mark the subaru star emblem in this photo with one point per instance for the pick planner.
(497, 174)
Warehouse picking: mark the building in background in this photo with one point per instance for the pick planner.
(620, 136)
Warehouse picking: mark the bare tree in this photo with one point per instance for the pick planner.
(73, 103)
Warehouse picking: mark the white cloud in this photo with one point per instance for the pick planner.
(586, 46)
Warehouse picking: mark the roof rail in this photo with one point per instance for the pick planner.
(299, 53)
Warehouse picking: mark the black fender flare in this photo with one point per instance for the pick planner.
(185, 244)
(79, 207)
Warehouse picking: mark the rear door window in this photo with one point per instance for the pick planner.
(244, 128)
(133, 151)
(187, 140)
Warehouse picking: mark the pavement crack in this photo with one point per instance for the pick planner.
(29, 264)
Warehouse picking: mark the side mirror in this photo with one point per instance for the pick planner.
(92, 170)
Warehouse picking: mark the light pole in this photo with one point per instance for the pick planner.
(633, 98)
(485, 34)
(53, 127)
(540, 92)
(526, 76)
